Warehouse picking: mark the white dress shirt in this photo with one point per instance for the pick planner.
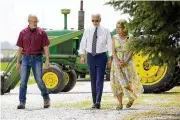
(104, 41)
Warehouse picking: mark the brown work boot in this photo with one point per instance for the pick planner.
(21, 106)
(46, 103)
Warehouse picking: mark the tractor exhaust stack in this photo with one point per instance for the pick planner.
(81, 17)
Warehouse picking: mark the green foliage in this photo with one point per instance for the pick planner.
(159, 20)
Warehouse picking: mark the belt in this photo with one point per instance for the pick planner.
(98, 53)
(33, 54)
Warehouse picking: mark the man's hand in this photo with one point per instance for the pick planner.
(47, 65)
(18, 67)
(109, 63)
(83, 59)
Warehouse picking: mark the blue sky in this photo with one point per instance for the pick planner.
(14, 15)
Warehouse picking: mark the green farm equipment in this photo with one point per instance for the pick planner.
(65, 64)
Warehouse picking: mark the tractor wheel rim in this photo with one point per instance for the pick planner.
(50, 79)
(67, 78)
(149, 74)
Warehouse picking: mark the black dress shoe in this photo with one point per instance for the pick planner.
(21, 106)
(97, 106)
(93, 106)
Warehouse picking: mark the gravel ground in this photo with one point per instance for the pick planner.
(81, 92)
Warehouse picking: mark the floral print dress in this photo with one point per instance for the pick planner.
(120, 78)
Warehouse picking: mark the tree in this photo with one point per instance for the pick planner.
(160, 22)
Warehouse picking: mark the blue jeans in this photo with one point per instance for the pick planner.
(34, 62)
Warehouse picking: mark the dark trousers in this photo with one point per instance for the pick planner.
(97, 66)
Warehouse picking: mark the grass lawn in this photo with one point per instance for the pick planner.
(157, 105)
(166, 99)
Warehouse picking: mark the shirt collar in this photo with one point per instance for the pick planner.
(38, 30)
(97, 27)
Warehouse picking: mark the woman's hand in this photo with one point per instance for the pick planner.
(124, 63)
(119, 63)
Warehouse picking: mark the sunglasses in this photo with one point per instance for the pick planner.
(95, 20)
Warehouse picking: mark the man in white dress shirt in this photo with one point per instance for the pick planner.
(96, 41)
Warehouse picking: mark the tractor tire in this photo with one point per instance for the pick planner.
(176, 79)
(155, 79)
(166, 83)
(54, 79)
(71, 79)
(2, 85)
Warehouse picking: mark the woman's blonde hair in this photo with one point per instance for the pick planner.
(122, 23)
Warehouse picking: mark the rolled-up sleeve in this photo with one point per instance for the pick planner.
(20, 40)
(45, 40)
(109, 43)
(83, 43)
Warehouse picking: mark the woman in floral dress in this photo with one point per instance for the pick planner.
(123, 77)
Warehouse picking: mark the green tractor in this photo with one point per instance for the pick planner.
(66, 67)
